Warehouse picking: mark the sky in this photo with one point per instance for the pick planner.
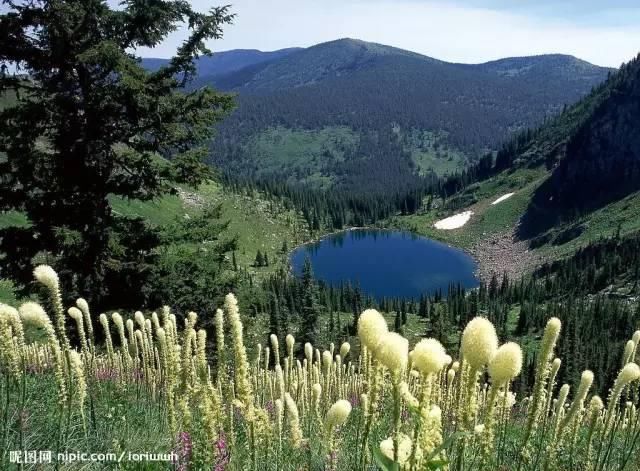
(603, 32)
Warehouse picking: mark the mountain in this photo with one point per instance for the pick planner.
(553, 66)
(575, 179)
(338, 112)
(222, 63)
(593, 152)
(319, 63)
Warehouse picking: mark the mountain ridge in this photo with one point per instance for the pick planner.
(599, 153)
(321, 114)
(441, 115)
(371, 50)
(224, 62)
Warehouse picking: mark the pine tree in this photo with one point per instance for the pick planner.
(274, 317)
(91, 123)
(356, 309)
(310, 309)
(284, 318)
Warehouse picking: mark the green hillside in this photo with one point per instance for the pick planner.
(575, 181)
(260, 224)
(429, 114)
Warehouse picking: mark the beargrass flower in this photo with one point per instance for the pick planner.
(451, 374)
(586, 380)
(506, 363)
(47, 276)
(549, 339)
(403, 452)
(337, 414)
(9, 357)
(13, 319)
(294, 421)
(630, 372)
(393, 352)
(308, 353)
(371, 328)
(429, 356)
(344, 349)
(627, 355)
(290, 341)
(479, 342)
(275, 346)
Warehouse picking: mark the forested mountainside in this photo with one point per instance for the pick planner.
(317, 115)
(592, 151)
(223, 63)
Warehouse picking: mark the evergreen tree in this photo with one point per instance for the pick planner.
(91, 123)
(284, 319)
(397, 323)
(310, 310)
(403, 312)
(274, 317)
(191, 268)
(356, 309)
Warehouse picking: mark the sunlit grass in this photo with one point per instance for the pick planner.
(158, 385)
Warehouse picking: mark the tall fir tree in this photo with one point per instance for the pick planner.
(310, 308)
(91, 123)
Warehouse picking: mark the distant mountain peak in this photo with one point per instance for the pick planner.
(555, 64)
(226, 62)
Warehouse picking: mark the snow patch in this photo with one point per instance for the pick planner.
(454, 222)
(503, 197)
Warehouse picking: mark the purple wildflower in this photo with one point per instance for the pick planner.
(222, 453)
(183, 451)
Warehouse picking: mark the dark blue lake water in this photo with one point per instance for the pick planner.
(387, 263)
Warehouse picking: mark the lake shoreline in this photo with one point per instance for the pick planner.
(497, 254)
(386, 262)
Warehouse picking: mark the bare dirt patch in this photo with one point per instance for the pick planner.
(503, 253)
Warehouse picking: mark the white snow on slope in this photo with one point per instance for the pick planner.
(454, 222)
(503, 197)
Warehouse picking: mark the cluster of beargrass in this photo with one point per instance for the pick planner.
(298, 407)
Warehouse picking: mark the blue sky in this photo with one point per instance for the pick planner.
(601, 13)
(604, 32)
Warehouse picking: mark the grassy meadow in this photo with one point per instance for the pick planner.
(155, 383)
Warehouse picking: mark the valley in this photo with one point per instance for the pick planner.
(341, 256)
(370, 91)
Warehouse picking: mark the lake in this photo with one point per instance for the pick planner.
(387, 263)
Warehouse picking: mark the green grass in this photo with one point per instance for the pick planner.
(446, 164)
(257, 223)
(125, 420)
(13, 219)
(487, 218)
(307, 154)
(431, 152)
(605, 222)
(158, 212)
